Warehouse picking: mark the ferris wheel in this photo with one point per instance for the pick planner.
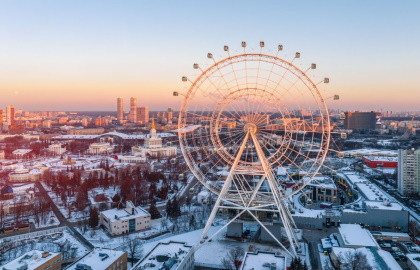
(245, 118)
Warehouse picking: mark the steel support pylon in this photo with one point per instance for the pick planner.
(234, 196)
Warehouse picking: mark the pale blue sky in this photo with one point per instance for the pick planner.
(75, 55)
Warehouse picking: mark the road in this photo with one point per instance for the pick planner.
(61, 218)
(314, 238)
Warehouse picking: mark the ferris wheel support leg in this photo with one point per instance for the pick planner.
(282, 208)
(224, 190)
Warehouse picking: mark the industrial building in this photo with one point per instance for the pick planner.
(360, 120)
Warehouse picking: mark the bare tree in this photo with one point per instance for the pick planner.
(134, 246)
(233, 260)
(355, 261)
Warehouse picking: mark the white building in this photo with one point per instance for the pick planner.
(130, 219)
(100, 148)
(174, 255)
(153, 147)
(101, 259)
(57, 149)
(131, 159)
(354, 236)
(23, 175)
(21, 153)
(409, 172)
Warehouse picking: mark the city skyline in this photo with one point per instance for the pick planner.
(74, 65)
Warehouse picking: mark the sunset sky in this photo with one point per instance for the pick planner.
(82, 55)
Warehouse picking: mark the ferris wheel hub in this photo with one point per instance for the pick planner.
(251, 128)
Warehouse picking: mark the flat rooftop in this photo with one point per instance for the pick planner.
(97, 259)
(164, 256)
(31, 259)
(383, 205)
(355, 235)
(263, 260)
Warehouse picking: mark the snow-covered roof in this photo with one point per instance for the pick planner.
(263, 260)
(32, 259)
(414, 259)
(381, 158)
(353, 235)
(21, 151)
(116, 134)
(186, 129)
(170, 250)
(121, 214)
(386, 205)
(98, 259)
(370, 152)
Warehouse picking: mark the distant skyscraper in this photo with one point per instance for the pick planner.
(120, 109)
(1, 120)
(360, 120)
(10, 115)
(143, 115)
(409, 172)
(133, 110)
(170, 115)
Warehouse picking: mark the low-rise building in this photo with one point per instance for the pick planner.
(263, 260)
(22, 153)
(130, 219)
(101, 259)
(35, 260)
(380, 161)
(23, 175)
(100, 148)
(354, 236)
(57, 149)
(169, 256)
(322, 189)
(413, 261)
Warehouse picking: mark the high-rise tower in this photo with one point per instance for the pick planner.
(143, 115)
(10, 115)
(133, 110)
(120, 109)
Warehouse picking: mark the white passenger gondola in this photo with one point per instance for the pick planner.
(262, 44)
(280, 47)
(226, 48)
(195, 66)
(243, 44)
(209, 55)
(336, 97)
(342, 116)
(326, 80)
(313, 66)
(297, 55)
(175, 93)
(343, 135)
(184, 79)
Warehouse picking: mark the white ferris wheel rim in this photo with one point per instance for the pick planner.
(275, 60)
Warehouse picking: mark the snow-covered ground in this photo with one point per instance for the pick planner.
(50, 220)
(62, 242)
(100, 238)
